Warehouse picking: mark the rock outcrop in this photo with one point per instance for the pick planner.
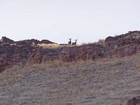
(85, 52)
(27, 51)
(134, 101)
(19, 52)
(5, 40)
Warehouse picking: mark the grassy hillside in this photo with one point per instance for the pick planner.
(101, 82)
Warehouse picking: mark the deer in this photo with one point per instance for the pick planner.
(74, 43)
(69, 42)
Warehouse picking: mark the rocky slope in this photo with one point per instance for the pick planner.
(27, 51)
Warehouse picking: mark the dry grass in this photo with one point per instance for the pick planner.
(52, 46)
(12, 76)
(102, 82)
(60, 64)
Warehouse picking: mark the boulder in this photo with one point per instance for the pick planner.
(134, 101)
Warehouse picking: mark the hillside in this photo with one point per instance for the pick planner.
(101, 82)
(34, 72)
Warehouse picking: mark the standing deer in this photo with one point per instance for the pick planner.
(74, 43)
(69, 42)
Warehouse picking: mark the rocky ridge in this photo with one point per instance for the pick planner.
(27, 51)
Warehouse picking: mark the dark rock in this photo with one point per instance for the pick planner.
(5, 40)
(69, 104)
(134, 101)
(33, 42)
(36, 57)
(46, 42)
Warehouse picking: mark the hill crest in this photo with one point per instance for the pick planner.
(27, 52)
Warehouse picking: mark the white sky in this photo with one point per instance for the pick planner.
(58, 20)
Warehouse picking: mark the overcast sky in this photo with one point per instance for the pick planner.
(58, 20)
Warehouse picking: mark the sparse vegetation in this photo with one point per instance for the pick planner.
(101, 82)
(51, 46)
